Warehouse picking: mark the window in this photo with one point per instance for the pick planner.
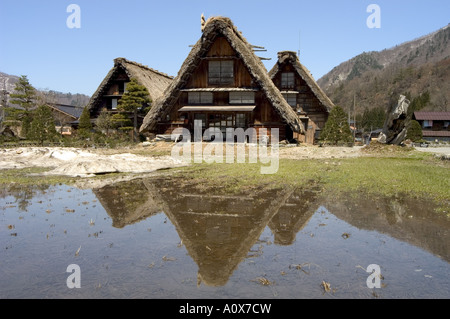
(122, 87)
(242, 97)
(427, 124)
(114, 104)
(446, 124)
(240, 120)
(291, 98)
(287, 80)
(200, 98)
(221, 121)
(220, 72)
(200, 117)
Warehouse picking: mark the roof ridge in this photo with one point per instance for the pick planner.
(121, 60)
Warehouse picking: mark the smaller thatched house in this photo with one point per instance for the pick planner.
(223, 84)
(302, 93)
(114, 85)
(66, 117)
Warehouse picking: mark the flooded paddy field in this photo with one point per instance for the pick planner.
(152, 238)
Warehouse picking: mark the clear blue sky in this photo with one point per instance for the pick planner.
(36, 41)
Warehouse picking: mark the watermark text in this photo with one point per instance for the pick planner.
(74, 19)
(374, 19)
(234, 152)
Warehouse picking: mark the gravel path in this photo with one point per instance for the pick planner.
(437, 150)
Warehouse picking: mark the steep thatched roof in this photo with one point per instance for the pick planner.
(292, 58)
(155, 82)
(213, 28)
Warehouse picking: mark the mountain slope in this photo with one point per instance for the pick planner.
(376, 79)
(8, 82)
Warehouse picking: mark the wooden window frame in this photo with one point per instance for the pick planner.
(242, 97)
(220, 72)
(200, 98)
(287, 80)
(291, 99)
(114, 105)
(427, 124)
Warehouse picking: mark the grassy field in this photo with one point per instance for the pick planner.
(383, 172)
(417, 176)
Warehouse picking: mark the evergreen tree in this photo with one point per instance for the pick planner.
(104, 121)
(121, 121)
(414, 132)
(24, 98)
(134, 100)
(417, 103)
(373, 119)
(337, 130)
(43, 125)
(85, 125)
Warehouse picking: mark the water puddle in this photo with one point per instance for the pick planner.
(158, 238)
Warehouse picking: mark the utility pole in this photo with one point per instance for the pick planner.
(3, 102)
(354, 117)
(299, 44)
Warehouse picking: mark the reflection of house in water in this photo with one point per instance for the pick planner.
(406, 219)
(218, 231)
(293, 216)
(128, 202)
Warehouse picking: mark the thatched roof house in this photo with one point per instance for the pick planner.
(66, 117)
(223, 83)
(113, 85)
(302, 92)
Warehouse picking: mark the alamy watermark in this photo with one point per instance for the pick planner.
(374, 279)
(74, 19)
(374, 19)
(74, 279)
(214, 151)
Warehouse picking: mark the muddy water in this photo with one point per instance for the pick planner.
(155, 238)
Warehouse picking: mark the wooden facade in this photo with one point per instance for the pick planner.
(223, 84)
(435, 125)
(303, 94)
(226, 104)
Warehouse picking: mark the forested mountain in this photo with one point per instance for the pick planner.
(376, 79)
(8, 82)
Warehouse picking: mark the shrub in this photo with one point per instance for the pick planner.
(337, 130)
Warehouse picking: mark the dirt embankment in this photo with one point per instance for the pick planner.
(82, 162)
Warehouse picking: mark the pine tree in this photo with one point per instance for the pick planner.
(121, 121)
(418, 102)
(85, 125)
(337, 130)
(24, 98)
(414, 132)
(43, 125)
(373, 119)
(135, 99)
